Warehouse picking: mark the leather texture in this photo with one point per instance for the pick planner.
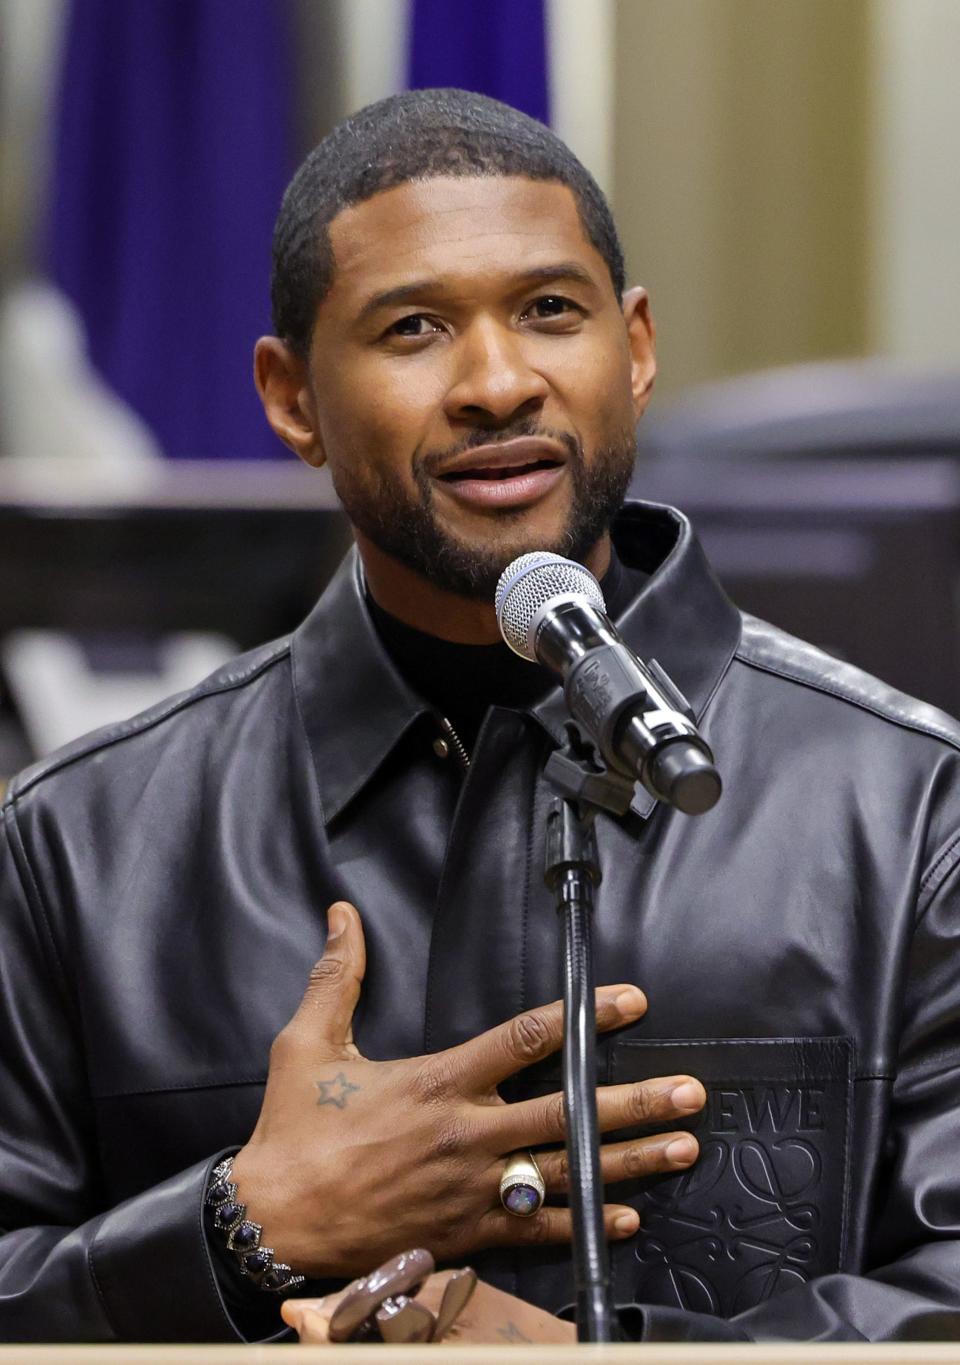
(163, 886)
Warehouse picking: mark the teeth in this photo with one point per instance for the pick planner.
(488, 473)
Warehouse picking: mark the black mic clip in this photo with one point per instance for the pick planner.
(577, 771)
(642, 725)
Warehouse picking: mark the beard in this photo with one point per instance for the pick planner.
(404, 524)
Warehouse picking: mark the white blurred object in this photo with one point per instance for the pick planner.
(52, 401)
(581, 51)
(60, 697)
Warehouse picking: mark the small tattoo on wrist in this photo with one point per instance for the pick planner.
(335, 1091)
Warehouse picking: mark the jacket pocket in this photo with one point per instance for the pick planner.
(764, 1209)
(145, 1138)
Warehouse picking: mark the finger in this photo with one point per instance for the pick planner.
(530, 1123)
(309, 1318)
(457, 1294)
(480, 1064)
(325, 1014)
(625, 1160)
(499, 1228)
(433, 1289)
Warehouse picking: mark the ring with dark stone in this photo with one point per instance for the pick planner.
(521, 1186)
(522, 1200)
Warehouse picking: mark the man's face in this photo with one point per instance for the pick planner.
(472, 378)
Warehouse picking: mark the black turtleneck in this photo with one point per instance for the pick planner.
(462, 681)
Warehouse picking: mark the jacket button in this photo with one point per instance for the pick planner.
(441, 748)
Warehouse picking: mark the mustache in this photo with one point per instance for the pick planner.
(428, 465)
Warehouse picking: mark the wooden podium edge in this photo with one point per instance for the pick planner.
(650, 1353)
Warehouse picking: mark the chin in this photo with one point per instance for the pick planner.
(527, 528)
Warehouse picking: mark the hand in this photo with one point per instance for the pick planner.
(490, 1317)
(352, 1160)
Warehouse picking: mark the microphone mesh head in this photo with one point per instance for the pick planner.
(531, 581)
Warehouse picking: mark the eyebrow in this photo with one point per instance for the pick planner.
(562, 270)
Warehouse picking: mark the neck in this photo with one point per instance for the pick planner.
(417, 602)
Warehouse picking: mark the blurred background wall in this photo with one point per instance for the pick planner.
(783, 173)
(786, 180)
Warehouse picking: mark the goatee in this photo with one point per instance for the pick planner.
(406, 526)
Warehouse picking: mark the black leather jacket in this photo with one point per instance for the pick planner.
(162, 895)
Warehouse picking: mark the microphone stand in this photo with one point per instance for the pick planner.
(572, 871)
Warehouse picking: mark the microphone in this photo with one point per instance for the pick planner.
(551, 610)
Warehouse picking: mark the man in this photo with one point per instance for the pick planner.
(454, 341)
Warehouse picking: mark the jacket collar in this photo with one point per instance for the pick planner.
(355, 706)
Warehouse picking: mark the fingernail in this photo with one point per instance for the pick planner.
(681, 1151)
(627, 1222)
(688, 1095)
(631, 1003)
(336, 921)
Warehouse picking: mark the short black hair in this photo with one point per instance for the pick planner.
(413, 136)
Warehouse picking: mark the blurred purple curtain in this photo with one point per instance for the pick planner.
(497, 47)
(172, 149)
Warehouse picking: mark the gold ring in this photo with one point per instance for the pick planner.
(521, 1185)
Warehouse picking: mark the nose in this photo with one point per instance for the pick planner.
(494, 380)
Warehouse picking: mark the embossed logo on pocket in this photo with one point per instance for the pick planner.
(763, 1209)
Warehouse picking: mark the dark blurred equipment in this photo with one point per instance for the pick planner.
(828, 500)
(240, 551)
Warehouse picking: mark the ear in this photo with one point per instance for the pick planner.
(282, 381)
(641, 338)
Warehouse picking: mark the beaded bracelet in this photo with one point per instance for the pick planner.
(243, 1236)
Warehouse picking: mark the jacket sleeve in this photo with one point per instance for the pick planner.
(71, 1269)
(911, 1289)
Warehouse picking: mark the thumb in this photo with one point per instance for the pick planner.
(305, 1317)
(326, 1010)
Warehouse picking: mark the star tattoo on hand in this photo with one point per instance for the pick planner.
(335, 1091)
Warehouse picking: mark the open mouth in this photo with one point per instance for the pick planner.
(505, 475)
(502, 474)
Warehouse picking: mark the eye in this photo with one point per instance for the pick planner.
(550, 306)
(413, 325)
